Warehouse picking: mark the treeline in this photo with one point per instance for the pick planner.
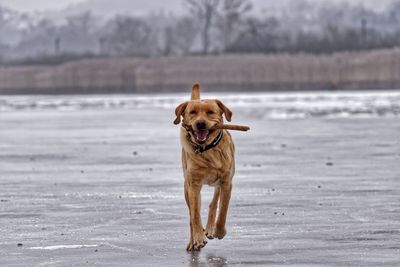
(208, 27)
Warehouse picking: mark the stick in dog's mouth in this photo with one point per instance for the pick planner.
(233, 127)
(203, 135)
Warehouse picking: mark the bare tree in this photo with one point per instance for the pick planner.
(38, 39)
(183, 35)
(128, 36)
(78, 35)
(205, 11)
(231, 14)
(258, 36)
(10, 25)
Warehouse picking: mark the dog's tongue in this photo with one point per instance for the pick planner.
(201, 135)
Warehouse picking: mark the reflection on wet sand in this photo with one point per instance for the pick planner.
(211, 260)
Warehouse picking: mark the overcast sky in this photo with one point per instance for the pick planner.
(40, 5)
(33, 5)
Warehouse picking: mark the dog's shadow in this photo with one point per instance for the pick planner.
(211, 260)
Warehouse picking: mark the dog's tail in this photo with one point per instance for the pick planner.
(196, 91)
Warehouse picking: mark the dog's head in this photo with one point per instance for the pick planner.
(201, 116)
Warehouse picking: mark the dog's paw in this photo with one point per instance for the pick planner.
(219, 232)
(209, 232)
(189, 247)
(197, 243)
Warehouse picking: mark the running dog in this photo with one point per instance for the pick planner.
(208, 158)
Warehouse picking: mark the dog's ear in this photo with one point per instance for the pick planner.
(227, 111)
(179, 111)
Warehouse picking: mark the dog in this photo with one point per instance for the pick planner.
(208, 158)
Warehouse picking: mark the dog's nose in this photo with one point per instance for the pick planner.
(201, 125)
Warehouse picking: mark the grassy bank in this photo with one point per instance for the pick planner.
(353, 70)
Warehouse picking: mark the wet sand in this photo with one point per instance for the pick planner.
(84, 188)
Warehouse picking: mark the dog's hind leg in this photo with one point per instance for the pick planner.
(212, 213)
(220, 230)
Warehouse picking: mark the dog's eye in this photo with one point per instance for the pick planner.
(210, 112)
(193, 112)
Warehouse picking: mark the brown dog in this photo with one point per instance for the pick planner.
(208, 157)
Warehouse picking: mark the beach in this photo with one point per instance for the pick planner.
(97, 181)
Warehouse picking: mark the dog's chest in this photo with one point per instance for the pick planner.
(211, 168)
(213, 160)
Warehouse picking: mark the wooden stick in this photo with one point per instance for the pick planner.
(233, 127)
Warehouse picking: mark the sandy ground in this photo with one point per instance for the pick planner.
(105, 188)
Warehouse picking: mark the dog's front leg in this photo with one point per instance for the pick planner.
(186, 187)
(220, 230)
(198, 238)
(212, 213)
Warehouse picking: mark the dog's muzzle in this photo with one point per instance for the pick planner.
(201, 132)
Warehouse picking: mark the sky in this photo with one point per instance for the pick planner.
(38, 5)
(41, 5)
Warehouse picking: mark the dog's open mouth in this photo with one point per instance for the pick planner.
(201, 136)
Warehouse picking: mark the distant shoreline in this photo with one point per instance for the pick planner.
(115, 92)
(278, 105)
(235, 73)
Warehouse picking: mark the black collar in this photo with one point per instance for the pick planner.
(200, 149)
